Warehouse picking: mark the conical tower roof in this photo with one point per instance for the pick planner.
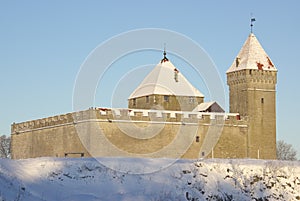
(252, 56)
(165, 79)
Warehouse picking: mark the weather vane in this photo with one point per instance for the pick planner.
(251, 24)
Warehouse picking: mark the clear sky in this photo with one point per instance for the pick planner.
(44, 43)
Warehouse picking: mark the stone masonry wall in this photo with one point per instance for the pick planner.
(253, 96)
(178, 103)
(132, 133)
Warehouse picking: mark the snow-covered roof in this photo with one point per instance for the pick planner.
(165, 79)
(203, 107)
(252, 56)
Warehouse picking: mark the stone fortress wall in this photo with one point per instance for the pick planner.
(116, 132)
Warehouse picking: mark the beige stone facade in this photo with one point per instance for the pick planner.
(166, 102)
(253, 95)
(106, 132)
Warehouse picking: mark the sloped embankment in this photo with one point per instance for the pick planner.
(148, 179)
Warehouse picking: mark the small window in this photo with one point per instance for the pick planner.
(197, 138)
(147, 99)
(134, 102)
(166, 98)
(262, 100)
(203, 154)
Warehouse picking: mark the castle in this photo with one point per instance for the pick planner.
(167, 117)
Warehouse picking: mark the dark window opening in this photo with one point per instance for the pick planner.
(203, 153)
(147, 99)
(197, 138)
(134, 102)
(166, 98)
(74, 155)
(262, 100)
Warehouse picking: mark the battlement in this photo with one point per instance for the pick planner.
(167, 115)
(251, 76)
(41, 123)
(130, 115)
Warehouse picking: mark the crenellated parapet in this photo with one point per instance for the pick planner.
(165, 115)
(58, 120)
(41, 123)
(128, 115)
(251, 76)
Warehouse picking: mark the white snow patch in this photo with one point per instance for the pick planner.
(87, 179)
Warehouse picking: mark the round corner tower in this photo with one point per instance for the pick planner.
(252, 82)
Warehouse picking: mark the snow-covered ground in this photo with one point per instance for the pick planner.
(123, 179)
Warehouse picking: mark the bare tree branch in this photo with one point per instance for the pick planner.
(285, 151)
(4, 146)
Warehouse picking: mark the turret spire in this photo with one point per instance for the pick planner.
(165, 53)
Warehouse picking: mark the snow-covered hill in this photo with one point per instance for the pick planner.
(123, 179)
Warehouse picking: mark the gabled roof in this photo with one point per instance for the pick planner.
(208, 107)
(165, 79)
(252, 56)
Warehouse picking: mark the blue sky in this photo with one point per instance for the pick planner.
(44, 43)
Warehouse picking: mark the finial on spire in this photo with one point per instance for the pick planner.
(165, 55)
(251, 24)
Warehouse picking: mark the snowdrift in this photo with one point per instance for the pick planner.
(131, 179)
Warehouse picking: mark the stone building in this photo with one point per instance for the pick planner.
(168, 117)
